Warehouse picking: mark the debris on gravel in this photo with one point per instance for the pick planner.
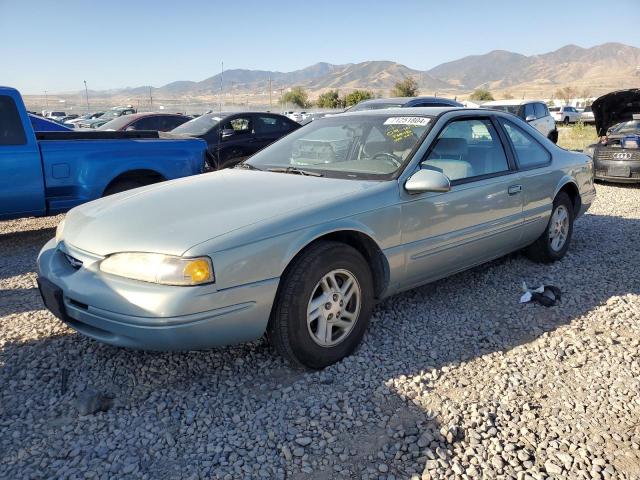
(445, 385)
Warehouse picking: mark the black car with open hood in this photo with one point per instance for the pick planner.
(617, 156)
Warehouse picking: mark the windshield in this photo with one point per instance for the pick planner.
(57, 114)
(363, 146)
(115, 124)
(632, 126)
(505, 108)
(199, 126)
(364, 106)
(110, 114)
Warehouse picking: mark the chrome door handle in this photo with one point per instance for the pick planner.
(513, 189)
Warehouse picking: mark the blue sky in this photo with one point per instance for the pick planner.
(55, 45)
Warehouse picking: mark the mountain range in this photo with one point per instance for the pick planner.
(595, 70)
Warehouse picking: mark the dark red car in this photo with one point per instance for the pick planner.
(161, 122)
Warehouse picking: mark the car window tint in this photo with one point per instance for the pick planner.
(268, 124)
(528, 151)
(540, 110)
(11, 130)
(467, 149)
(169, 122)
(147, 123)
(529, 110)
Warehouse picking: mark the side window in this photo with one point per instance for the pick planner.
(539, 109)
(241, 125)
(11, 130)
(467, 149)
(147, 123)
(266, 124)
(168, 123)
(529, 152)
(529, 110)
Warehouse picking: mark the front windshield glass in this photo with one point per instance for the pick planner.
(363, 146)
(505, 108)
(110, 114)
(632, 126)
(362, 107)
(198, 126)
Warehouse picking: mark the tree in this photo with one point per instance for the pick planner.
(357, 96)
(297, 96)
(481, 94)
(405, 88)
(566, 94)
(330, 99)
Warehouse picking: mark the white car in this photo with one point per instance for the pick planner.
(565, 114)
(56, 115)
(587, 115)
(295, 116)
(534, 112)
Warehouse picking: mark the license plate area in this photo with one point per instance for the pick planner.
(52, 297)
(619, 171)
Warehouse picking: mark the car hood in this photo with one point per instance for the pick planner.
(173, 216)
(615, 107)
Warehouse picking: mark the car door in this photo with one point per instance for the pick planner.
(269, 128)
(480, 218)
(236, 140)
(533, 161)
(21, 177)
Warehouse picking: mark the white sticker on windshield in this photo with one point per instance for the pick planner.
(421, 121)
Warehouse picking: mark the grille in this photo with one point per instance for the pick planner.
(617, 154)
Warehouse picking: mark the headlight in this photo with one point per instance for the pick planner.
(59, 231)
(159, 268)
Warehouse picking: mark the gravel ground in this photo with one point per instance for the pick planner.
(454, 380)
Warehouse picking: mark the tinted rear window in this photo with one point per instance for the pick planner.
(11, 130)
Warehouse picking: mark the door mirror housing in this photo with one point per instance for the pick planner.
(427, 180)
(530, 118)
(228, 132)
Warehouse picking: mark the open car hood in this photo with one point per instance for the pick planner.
(615, 107)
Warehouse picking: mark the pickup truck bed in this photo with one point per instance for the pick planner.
(46, 173)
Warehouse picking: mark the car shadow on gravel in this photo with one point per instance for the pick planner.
(372, 399)
(20, 250)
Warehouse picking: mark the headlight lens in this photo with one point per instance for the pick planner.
(159, 268)
(59, 231)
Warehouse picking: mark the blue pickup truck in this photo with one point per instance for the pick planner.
(46, 173)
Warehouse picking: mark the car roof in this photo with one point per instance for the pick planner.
(134, 116)
(510, 102)
(417, 111)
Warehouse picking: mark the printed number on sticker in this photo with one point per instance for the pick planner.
(422, 121)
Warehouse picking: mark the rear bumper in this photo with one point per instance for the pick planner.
(131, 314)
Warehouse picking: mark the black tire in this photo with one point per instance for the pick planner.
(288, 331)
(541, 250)
(553, 136)
(122, 186)
(566, 120)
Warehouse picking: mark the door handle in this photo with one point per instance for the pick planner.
(514, 189)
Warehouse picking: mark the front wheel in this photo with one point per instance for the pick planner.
(323, 306)
(553, 244)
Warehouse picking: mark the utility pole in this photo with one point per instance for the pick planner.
(233, 98)
(282, 98)
(150, 98)
(269, 92)
(221, 85)
(86, 91)
(46, 100)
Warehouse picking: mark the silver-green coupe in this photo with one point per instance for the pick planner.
(301, 240)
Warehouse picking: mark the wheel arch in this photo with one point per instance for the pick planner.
(569, 186)
(146, 176)
(361, 241)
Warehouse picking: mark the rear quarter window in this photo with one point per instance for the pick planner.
(11, 129)
(529, 153)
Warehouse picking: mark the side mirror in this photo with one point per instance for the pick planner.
(427, 180)
(228, 132)
(530, 118)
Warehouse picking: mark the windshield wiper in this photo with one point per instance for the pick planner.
(295, 170)
(246, 166)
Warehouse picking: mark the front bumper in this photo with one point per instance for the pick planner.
(147, 316)
(621, 171)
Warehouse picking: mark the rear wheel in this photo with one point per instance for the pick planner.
(553, 136)
(566, 120)
(553, 244)
(323, 306)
